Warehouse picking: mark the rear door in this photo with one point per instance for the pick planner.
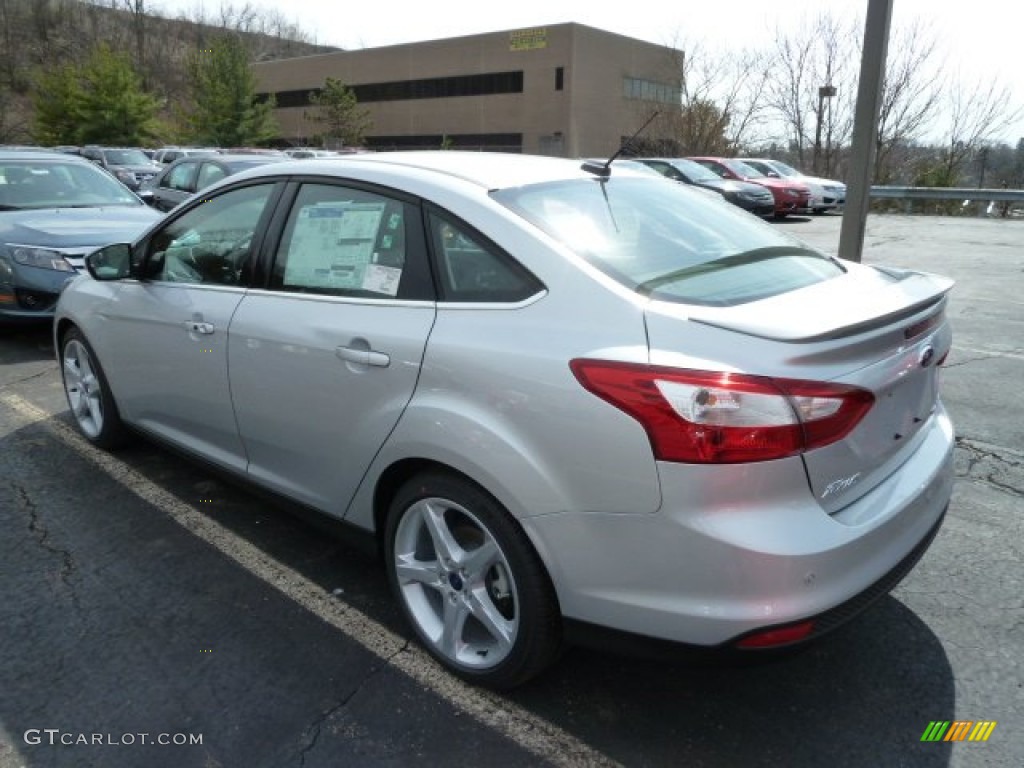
(325, 359)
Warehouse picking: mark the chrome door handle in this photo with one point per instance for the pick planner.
(363, 356)
(197, 327)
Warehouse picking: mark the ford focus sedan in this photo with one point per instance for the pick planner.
(570, 402)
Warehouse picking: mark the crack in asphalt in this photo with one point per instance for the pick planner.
(947, 365)
(316, 726)
(29, 377)
(41, 534)
(977, 454)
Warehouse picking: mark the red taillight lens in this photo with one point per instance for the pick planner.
(712, 417)
(773, 638)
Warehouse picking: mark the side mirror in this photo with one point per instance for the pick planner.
(147, 196)
(112, 262)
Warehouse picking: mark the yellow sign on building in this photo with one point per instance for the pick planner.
(528, 39)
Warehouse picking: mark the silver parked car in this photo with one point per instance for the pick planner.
(569, 401)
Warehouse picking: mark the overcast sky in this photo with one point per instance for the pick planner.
(980, 40)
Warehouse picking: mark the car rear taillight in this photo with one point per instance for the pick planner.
(710, 417)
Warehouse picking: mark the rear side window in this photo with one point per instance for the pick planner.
(668, 242)
(472, 269)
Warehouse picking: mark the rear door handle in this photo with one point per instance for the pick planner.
(363, 356)
(195, 326)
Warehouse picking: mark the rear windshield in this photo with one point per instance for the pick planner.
(670, 242)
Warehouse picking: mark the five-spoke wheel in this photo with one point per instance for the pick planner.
(88, 395)
(469, 581)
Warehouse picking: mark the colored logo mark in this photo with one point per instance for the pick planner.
(958, 730)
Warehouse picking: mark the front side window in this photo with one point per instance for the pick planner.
(669, 243)
(181, 177)
(208, 174)
(211, 243)
(341, 241)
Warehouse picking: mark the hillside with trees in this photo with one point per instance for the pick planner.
(144, 72)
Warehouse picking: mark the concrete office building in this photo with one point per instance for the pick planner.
(564, 90)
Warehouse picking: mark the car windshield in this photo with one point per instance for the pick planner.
(126, 157)
(667, 242)
(695, 171)
(43, 184)
(783, 169)
(742, 169)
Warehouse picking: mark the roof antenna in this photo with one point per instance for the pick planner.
(604, 170)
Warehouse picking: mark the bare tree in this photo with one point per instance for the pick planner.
(721, 98)
(813, 86)
(910, 97)
(977, 114)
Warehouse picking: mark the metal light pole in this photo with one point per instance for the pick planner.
(865, 128)
(824, 92)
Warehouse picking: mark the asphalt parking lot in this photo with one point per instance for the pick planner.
(144, 600)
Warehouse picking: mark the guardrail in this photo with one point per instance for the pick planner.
(982, 202)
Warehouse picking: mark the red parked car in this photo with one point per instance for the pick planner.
(790, 197)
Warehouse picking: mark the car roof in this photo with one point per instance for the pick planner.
(42, 155)
(489, 170)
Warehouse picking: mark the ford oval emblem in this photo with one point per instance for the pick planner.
(927, 355)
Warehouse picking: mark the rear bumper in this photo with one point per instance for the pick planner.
(738, 549)
(596, 636)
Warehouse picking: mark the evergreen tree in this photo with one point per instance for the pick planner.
(102, 101)
(226, 112)
(336, 108)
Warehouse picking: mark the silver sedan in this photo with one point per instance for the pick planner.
(571, 402)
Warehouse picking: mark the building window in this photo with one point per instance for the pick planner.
(648, 90)
(486, 84)
(559, 78)
(494, 142)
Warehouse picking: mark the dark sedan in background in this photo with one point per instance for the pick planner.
(186, 176)
(129, 165)
(750, 197)
(55, 209)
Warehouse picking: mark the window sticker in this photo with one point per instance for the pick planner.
(332, 247)
(381, 279)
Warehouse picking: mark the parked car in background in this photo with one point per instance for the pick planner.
(54, 209)
(750, 197)
(563, 399)
(826, 194)
(167, 155)
(305, 153)
(183, 178)
(789, 196)
(129, 165)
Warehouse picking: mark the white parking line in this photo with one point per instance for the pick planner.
(539, 737)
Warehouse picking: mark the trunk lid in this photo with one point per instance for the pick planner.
(878, 329)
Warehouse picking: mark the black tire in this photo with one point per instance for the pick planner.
(454, 555)
(89, 397)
